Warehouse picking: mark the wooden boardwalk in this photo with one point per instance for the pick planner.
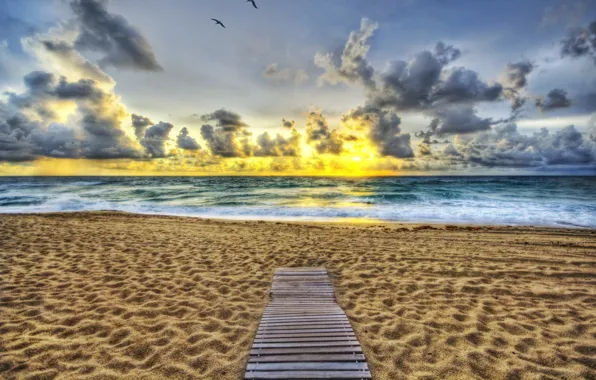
(304, 334)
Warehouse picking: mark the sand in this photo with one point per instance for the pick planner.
(120, 296)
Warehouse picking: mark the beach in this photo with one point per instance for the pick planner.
(113, 295)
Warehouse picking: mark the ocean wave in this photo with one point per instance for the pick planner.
(563, 201)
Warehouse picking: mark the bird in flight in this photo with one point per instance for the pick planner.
(217, 22)
(253, 3)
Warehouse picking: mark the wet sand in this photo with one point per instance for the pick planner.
(109, 295)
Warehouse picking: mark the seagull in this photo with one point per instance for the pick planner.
(253, 3)
(217, 22)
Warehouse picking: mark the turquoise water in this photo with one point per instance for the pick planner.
(546, 201)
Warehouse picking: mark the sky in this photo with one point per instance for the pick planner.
(350, 87)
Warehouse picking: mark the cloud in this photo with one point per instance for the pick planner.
(384, 130)
(230, 137)
(352, 66)
(122, 45)
(68, 56)
(140, 124)
(446, 53)
(227, 143)
(155, 138)
(580, 42)
(458, 120)
(29, 121)
(285, 75)
(567, 12)
(228, 121)
(506, 147)
(185, 141)
(288, 123)
(321, 136)
(56, 51)
(424, 83)
(278, 146)
(515, 74)
(556, 98)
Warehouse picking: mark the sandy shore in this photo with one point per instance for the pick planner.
(112, 295)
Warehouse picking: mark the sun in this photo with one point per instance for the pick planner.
(356, 158)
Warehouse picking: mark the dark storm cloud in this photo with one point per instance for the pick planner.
(140, 124)
(155, 138)
(556, 98)
(580, 42)
(122, 44)
(185, 141)
(384, 130)
(504, 146)
(101, 135)
(321, 136)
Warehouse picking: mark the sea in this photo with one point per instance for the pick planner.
(523, 201)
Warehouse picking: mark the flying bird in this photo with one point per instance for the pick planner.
(217, 22)
(253, 3)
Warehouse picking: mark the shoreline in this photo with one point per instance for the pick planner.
(115, 295)
(305, 220)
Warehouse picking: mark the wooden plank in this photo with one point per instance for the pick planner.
(332, 318)
(308, 375)
(307, 339)
(305, 331)
(324, 316)
(314, 310)
(305, 350)
(277, 329)
(305, 335)
(304, 318)
(310, 344)
(307, 358)
(307, 366)
(291, 325)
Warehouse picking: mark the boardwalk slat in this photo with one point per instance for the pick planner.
(307, 344)
(318, 331)
(305, 335)
(307, 375)
(305, 350)
(307, 358)
(308, 366)
(306, 339)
